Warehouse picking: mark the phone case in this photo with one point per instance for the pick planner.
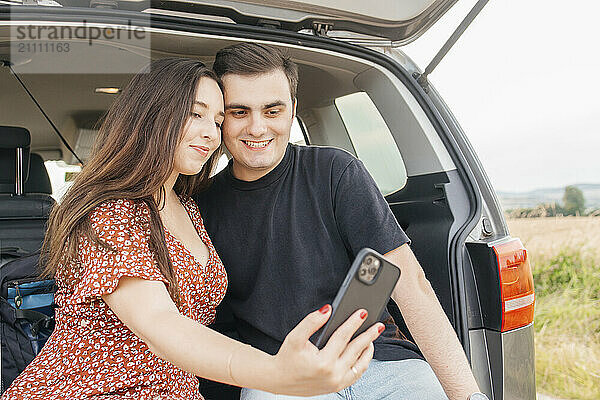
(355, 294)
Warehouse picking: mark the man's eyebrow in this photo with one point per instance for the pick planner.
(277, 103)
(236, 106)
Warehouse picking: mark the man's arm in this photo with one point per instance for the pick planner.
(430, 326)
(364, 219)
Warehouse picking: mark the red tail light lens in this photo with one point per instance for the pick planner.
(516, 284)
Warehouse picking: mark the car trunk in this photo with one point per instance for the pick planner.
(420, 199)
(426, 185)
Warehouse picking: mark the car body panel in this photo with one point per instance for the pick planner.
(519, 371)
(506, 354)
(399, 21)
(500, 355)
(480, 361)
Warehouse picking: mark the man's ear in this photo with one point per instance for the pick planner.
(294, 104)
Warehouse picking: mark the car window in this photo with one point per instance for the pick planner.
(372, 141)
(296, 134)
(61, 176)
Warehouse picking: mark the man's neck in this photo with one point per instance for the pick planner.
(250, 175)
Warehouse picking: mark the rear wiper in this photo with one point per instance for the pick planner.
(62, 138)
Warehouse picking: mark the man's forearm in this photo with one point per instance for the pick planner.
(430, 327)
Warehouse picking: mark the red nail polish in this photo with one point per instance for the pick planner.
(381, 329)
(363, 315)
(324, 309)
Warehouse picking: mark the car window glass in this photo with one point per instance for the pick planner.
(61, 176)
(372, 141)
(296, 134)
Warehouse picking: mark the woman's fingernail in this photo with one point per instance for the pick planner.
(363, 314)
(381, 328)
(324, 309)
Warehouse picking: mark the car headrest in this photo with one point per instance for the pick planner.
(39, 181)
(11, 138)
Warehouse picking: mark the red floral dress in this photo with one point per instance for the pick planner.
(91, 353)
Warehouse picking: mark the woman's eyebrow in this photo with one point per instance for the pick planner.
(204, 105)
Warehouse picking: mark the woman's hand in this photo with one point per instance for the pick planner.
(306, 370)
(299, 368)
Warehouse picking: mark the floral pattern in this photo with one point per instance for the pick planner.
(91, 353)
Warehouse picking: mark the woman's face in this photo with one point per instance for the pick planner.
(202, 131)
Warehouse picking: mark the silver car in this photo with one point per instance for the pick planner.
(65, 60)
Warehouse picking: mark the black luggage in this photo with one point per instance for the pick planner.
(27, 314)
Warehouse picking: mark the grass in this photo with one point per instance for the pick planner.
(565, 254)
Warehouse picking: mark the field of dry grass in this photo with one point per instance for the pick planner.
(565, 254)
(545, 236)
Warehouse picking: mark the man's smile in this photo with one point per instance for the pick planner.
(257, 145)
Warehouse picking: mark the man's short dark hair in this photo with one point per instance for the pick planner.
(253, 59)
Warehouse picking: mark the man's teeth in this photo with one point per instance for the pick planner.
(264, 143)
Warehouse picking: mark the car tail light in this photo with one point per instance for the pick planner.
(516, 284)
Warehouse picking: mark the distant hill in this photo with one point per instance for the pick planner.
(512, 200)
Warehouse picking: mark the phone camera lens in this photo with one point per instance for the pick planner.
(368, 269)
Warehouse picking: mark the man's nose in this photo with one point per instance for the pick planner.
(257, 125)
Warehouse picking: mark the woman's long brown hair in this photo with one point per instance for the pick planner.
(132, 159)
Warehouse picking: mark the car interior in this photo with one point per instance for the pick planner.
(343, 101)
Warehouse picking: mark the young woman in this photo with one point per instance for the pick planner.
(138, 278)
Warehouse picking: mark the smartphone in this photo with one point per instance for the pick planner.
(368, 285)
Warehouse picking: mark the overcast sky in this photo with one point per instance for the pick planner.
(524, 82)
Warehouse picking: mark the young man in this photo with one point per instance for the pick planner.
(287, 222)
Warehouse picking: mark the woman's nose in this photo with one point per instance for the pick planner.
(212, 132)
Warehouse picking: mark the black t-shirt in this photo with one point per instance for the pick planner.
(288, 239)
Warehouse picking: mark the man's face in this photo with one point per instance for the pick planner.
(258, 117)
